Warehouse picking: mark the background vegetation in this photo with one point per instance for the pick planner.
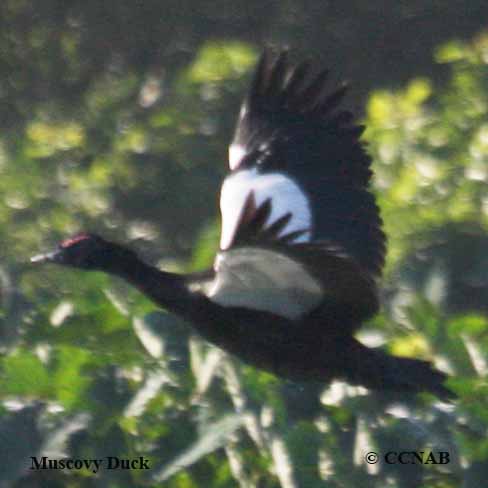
(115, 117)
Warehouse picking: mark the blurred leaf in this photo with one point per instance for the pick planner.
(222, 60)
(215, 436)
(450, 52)
(69, 379)
(24, 374)
(467, 324)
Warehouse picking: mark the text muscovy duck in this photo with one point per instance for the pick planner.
(301, 248)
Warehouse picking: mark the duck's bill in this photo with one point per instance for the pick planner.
(49, 257)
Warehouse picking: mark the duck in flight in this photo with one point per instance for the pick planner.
(301, 249)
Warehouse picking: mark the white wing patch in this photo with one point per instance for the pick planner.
(261, 279)
(285, 196)
(236, 155)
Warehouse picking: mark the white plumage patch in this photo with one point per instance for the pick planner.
(236, 155)
(285, 196)
(261, 279)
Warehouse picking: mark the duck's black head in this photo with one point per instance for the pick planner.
(89, 252)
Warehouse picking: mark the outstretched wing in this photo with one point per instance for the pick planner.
(297, 200)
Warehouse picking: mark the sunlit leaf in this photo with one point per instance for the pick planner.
(25, 374)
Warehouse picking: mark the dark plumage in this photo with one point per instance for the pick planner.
(302, 246)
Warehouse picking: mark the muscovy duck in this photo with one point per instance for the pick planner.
(302, 246)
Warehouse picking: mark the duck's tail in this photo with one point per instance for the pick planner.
(378, 370)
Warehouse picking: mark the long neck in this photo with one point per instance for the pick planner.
(167, 290)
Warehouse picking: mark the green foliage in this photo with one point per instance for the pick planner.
(24, 374)
(138, 157)
(431, 151)
(219, 61)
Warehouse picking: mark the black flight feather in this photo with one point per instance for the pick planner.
(291, 124)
